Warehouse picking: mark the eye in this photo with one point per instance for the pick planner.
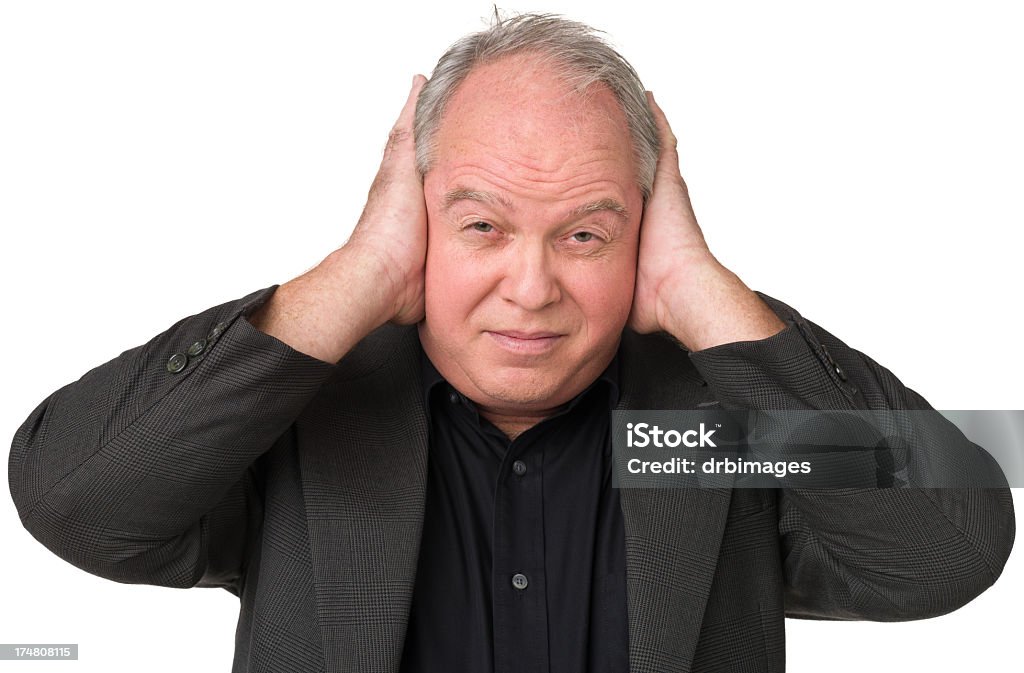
(482, 227)
(583, 236)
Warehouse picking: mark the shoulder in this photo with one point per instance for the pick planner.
(380, 351)
(656, 373)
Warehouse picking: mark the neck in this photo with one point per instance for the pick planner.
(516, 424)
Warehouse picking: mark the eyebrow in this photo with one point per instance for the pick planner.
(600, 205)
(461, 194)
(453, 196)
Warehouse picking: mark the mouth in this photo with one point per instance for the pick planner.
(526, 343)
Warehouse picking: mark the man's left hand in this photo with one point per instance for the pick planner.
(680, 287)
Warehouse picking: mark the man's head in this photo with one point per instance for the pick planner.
(534, 182)
(573, 49)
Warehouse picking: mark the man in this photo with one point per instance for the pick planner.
(436, 496)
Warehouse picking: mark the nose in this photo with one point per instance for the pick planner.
(530, 280)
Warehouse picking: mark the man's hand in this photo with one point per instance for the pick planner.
(377, 276)
(393, 226)
(680, 287)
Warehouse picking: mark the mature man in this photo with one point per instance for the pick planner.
(400, 459)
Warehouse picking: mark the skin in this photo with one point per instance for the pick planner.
(510, 257)
(486, 276)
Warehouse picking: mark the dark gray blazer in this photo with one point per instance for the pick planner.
(299, 486)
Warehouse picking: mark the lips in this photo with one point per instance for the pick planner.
(515, 334)
(526, 343)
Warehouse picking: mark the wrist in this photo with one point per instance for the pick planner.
(706, 305)
(361, 283)
(329, 309)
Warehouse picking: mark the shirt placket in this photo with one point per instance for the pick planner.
(519, 583)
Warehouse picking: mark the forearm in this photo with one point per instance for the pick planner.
(869, 553)
(706, 305)
(126, 461)
(329, 309)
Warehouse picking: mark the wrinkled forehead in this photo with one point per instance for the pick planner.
(525, 108)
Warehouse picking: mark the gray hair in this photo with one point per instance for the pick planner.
(582, 59)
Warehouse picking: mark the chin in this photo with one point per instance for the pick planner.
(521, 388)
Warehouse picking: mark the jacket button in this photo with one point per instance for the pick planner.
(197, 347)
(840, 373)
(177, 363)
(519, 581)
(519, 467)
(217, 330)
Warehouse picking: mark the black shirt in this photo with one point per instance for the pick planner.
(522, 563)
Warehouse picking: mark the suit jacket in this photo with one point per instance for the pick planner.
(299, 486)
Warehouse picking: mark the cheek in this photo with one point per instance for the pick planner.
(453, 283)
(605, 298)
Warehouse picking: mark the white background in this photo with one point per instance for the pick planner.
(861, 162)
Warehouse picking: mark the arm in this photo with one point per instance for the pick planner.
(144, 472)
(147, 469)
(881, 554)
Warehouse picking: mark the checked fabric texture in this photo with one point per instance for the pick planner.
(299, 486)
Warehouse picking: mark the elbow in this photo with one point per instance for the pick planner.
(174, 562)
(986, 540)
(22, 482)
(72, 519)
(952, 546)
(948, 573)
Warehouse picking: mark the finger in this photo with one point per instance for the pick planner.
(668, 159)
(400, 139)
(665, 134)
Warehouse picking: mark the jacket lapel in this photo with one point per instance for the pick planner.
(672, 534)
(365, 503)
(364, 474)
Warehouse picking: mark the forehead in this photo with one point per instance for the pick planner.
(518, 116)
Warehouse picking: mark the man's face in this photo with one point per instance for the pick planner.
(534, 217)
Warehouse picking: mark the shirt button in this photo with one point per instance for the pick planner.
(453, 397)
(177, 363)
(197, 347)
(840, 373)
(519, 581)
(519, 467)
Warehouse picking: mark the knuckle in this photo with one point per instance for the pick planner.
(397, 136)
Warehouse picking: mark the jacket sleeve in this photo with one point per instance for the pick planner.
(146, 469)
(883, 554)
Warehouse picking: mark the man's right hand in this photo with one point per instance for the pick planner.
(376, 277)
